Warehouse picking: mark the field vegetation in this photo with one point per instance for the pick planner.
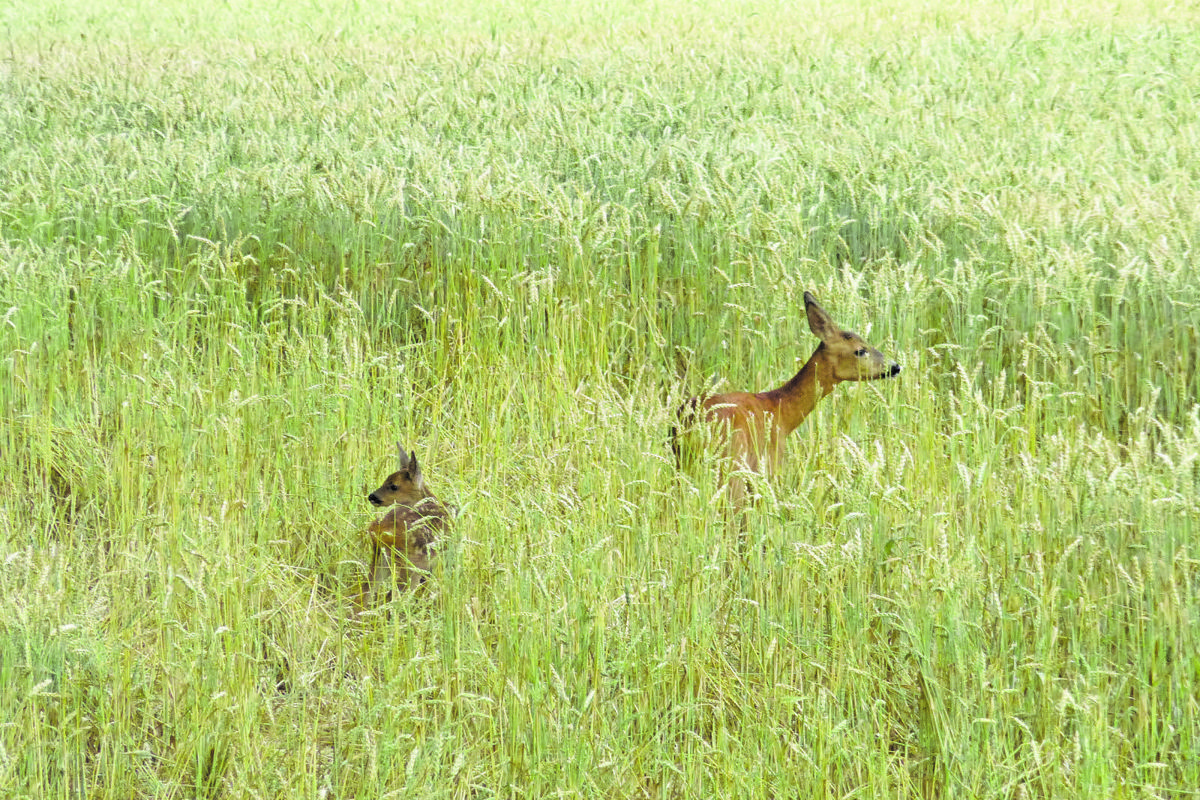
(247, 247)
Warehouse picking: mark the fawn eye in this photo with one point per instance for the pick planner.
(860, 352)
(393, 487)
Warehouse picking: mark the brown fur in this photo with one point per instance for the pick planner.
(750, 428)
(401, 540)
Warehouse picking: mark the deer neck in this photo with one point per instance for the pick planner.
(796, 399)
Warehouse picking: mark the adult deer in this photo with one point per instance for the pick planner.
(750, 428)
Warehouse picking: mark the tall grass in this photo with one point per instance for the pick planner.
(246, 249)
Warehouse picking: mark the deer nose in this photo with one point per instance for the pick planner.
(375, 501)
(895, 369)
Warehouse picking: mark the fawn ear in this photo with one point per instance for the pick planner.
(414, 469)
(403, 456)
(819, 321)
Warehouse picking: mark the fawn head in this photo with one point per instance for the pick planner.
(405, 486)
(848, 357)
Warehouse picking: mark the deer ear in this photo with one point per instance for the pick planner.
(414, 469)
(403, 456)
(819, 321)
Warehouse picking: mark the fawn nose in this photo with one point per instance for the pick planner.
(374, 498)
(895, 370)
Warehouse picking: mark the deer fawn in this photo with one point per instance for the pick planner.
(750, 428)
(401, 538)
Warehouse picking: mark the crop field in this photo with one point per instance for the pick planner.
(246, 248)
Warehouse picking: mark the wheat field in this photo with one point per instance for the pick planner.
(246, 248)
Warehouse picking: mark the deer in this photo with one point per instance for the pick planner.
(749, 429)
(402, 539)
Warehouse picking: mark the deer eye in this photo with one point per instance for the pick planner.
(393, 487)
(860, 352)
